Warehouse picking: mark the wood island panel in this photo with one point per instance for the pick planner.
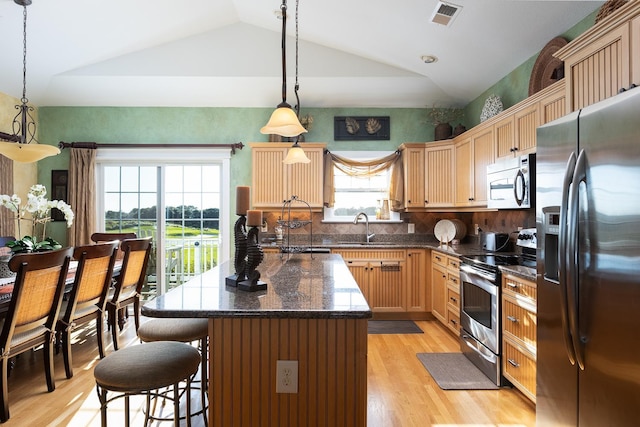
(332, 372)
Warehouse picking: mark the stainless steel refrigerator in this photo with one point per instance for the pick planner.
(588, 269)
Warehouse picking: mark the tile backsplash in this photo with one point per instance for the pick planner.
(506, 221)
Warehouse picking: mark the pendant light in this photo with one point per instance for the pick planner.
(284, 120)
(19, 147)
(296, 154)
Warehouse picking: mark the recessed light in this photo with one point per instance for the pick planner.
(429, 59)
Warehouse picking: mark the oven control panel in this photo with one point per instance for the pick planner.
(527, 238)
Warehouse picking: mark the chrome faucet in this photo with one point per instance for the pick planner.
(366, 219)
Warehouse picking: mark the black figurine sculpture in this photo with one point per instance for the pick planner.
(239, 262)
(254, 258)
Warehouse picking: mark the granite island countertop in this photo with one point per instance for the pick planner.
(298, 286)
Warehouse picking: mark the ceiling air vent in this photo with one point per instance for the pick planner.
(445, 13)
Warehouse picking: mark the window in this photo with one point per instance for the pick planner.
(359, 194)
(176, 198)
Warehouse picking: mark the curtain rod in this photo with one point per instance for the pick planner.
(95, 145)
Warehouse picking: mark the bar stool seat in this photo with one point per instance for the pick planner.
(143, 369)
(184, 330)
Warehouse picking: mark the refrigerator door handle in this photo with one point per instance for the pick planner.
(562, 258)
(573, 284)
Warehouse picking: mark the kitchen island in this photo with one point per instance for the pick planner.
(312, 312)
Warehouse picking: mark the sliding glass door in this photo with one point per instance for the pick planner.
(179, 205)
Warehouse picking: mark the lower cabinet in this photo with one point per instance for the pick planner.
(519, 328)
(392, 280)
(445, 290)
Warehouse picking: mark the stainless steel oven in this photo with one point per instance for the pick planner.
(480, 315)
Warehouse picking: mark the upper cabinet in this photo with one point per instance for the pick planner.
(273, 181)
(473, 153)
(429, 175)
(603, 59)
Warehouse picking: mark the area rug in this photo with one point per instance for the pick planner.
(393, 327)
(453, 371)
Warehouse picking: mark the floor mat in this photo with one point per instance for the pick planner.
(393, 327)
(453, 371)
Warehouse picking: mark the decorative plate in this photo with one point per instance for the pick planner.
(492, 106)
(547, 69)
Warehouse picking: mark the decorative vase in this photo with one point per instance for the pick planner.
(459, 130)
(443, 131)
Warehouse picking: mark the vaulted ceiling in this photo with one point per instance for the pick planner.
(352, 53)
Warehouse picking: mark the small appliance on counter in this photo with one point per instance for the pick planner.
(494, 242)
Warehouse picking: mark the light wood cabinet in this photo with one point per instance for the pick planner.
(273, 182)
(417, 300)
(380, 274)
(553, 104)
(516, 133)
(429, 178)
(603, 59)
(439, 188)
(519, 328)
(445, 288)
(472, 156)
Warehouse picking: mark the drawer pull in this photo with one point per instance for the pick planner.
(438, 258)
(512, 285)
(513, 363)
(513, 319)
(454, 280)
(453, 299)
(455, 323)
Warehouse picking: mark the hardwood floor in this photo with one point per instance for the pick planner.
(401, 393)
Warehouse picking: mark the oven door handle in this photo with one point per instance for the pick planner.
(491, 288)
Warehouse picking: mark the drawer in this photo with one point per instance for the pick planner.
(453, 263)
(519, 367)
(439, 258)
(519, 286)
(519, 322)
(453, 298)
(453, 280)
(453, 320)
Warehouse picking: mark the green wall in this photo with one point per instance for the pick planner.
(203, 126)
(514, 87)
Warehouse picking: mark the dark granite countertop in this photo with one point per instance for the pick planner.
(298, 286)
(526, 273)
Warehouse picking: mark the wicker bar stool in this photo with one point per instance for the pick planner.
(183, 330)
(143, 370)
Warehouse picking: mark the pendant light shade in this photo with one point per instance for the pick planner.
(27, 153)
(284, 122)
(296, 155)
(20, 147)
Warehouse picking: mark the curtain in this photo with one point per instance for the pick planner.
(365, 169)
(82, 189)
(7, 222)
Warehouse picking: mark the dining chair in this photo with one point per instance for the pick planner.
(33, 311)
(101, 237)
(88, 296)
(128, 284)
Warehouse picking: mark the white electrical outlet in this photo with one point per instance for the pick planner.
(411, 228)
(287, 376)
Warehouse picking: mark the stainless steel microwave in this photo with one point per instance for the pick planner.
(511, 183)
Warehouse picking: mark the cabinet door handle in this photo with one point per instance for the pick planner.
(513, 363)
(512, 319)
(471, 199)
(426, 201)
